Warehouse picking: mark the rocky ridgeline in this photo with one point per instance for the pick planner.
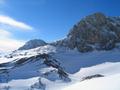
(95, 31)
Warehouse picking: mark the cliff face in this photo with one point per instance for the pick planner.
(95, 31)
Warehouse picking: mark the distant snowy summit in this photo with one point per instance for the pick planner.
(33, 44)
(94, 32)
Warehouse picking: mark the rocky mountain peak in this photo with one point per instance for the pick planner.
(96, 18)
(96, 31)
(97, 15)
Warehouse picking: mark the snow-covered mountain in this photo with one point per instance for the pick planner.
(33, 44)
(62, 65)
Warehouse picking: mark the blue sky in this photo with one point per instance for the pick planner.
(48, 19)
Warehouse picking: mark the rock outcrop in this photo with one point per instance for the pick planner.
(95, 31)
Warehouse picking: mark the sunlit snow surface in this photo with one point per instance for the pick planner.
(109, 82)
(78, 65)
(4, 57)
(105, 83)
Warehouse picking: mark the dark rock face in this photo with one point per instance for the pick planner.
(92, 76)
(95, 31)
(33, 44)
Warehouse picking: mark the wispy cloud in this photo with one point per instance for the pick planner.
(4, 33)
(14, 23)
(7, 43)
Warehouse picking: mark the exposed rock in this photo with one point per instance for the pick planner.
(38, 85)
(92, 76)
(95, 31)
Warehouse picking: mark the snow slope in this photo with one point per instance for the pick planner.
(73, 60)
(103, 69)
(104, 83)
(78, 65)
(110, 81)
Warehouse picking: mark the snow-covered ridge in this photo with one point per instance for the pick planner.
(48, 49)
(42, 66)
(33, 44)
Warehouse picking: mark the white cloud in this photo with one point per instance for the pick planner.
(4, 33)
(7, 43)
(12, 22)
